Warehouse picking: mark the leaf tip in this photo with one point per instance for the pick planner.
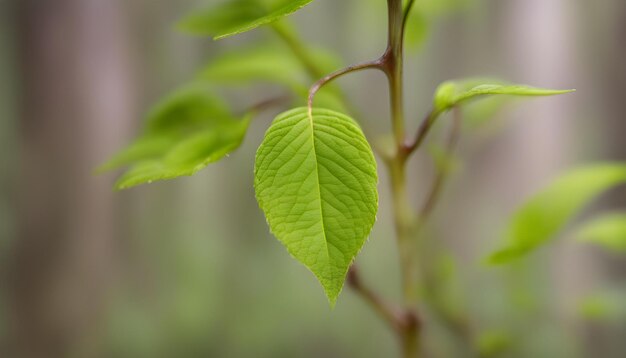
(332, 302)
(565, 91)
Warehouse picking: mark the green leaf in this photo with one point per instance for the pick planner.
(148, 147)
(452, 93)
(183, 134)
(543, 216)
(492, 343)
(186, 110)
(604, 306)
(315, 180)
(608, 230)
(416, 30)
(266, 63)
(189, 155)
(237, 16)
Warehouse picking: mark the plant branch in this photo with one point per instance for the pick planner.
(407, 13)
(457, 324)
(314, 71)
(394, 68)
(405, 323)
(403, 214)
(268, 103)
(375, 64)
(422, 131)
(392, 315)
(442, 173)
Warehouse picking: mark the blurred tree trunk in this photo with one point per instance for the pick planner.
(76, 98)
(542, 44)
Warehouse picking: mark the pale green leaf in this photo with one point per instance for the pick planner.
(266, 63)
(186, 110)
(544, 215)
(417, 29)
(185, 132)
(144, 148)
(188, 156)
(452, 93)
(237, 16)
(275, 64)
(315, 180)
(604, 306)
(608, 231)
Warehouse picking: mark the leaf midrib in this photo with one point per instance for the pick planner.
(319, 189)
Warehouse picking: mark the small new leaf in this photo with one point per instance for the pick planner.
(237, 16)
(315, 180)
(543, 216)
(183, 134)
(608, 231)
(452, 93)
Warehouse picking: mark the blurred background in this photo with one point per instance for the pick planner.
(187, 268)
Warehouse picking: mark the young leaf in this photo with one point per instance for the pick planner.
(452, 93)
(144, 148)
(185, 132)
(185, 111)
(315, 180)
(237, 16)
(189, 155)
(543, 216)
(608, 230)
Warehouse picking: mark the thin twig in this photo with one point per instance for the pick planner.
(458, 325)
(394, 68)
(422, 131)
(270, 102)
(392, 315)
(442, 174)
(407, 13)
(375, 64)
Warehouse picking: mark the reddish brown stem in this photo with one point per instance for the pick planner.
(375, 64)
